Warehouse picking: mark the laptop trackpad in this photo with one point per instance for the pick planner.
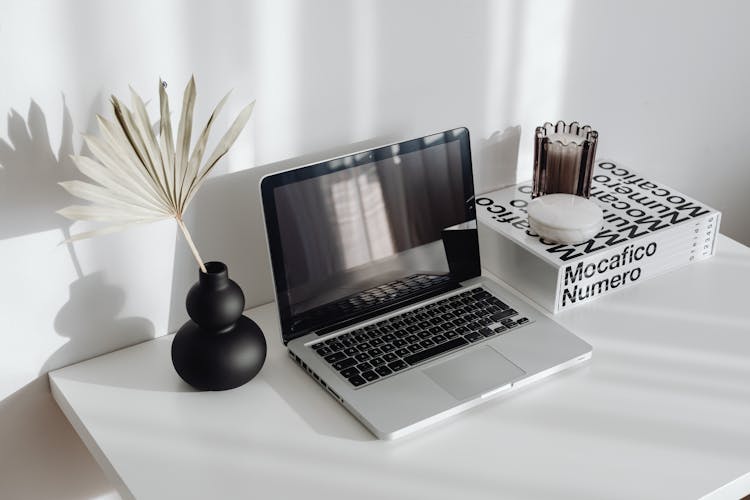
(474, 373)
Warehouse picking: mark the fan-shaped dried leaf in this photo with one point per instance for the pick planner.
(184, 132)
(165, 139)
(115, 152)
(146, 132)
(140, 178)
(200, 148)
(116, 182)
(221, 149)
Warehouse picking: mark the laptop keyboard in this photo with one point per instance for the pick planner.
(376, 351)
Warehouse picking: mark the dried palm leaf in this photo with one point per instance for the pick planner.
(139, 178)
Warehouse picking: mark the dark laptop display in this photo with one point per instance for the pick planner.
(359, 235)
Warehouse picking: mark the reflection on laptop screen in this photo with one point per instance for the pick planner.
(369, 228)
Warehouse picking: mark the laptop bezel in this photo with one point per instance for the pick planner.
(272, 181)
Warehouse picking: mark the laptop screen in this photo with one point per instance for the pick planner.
(353, 237)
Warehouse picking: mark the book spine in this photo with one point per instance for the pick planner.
(590, 277)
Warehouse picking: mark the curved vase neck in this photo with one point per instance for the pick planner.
(216, 275)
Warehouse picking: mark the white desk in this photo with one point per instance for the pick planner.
(661, 411)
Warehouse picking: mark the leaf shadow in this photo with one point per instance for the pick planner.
(30, 173)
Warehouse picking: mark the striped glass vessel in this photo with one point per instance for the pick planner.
(564, 159)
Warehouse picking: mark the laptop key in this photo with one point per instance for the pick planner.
(397, 365)
(356, 380)
(500, 329)
(383, 370)
(486, 332)
(350, 372)
(403, 352)
(521, 321)
(415, 347)
(363, 367)
(323, 351)
(370, 375)
(351, 351)
(345, 363)
(473, 336)
(503, 314)
(390, 357)
(434, 351)
(336, 346)
(377, 361)
(439, 338)
(336, 356)
(362, 356)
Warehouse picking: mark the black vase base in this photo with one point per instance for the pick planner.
(212, 361)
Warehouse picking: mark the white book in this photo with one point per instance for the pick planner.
(649, 228)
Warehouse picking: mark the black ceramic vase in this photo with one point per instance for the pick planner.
(218, 348)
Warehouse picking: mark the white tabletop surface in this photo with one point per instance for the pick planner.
(661, 411)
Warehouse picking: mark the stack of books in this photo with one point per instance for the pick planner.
(649, 228)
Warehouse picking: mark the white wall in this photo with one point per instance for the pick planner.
(665, 84)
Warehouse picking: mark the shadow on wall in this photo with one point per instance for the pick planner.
(226, 220)
(42, 457)
(29, 197)
(101, 330)
(498, 157)
(29, 194)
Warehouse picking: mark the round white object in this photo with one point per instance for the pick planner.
(565, 218)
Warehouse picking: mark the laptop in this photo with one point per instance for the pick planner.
(380, 296)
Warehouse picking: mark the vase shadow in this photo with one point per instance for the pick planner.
(92, 298)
